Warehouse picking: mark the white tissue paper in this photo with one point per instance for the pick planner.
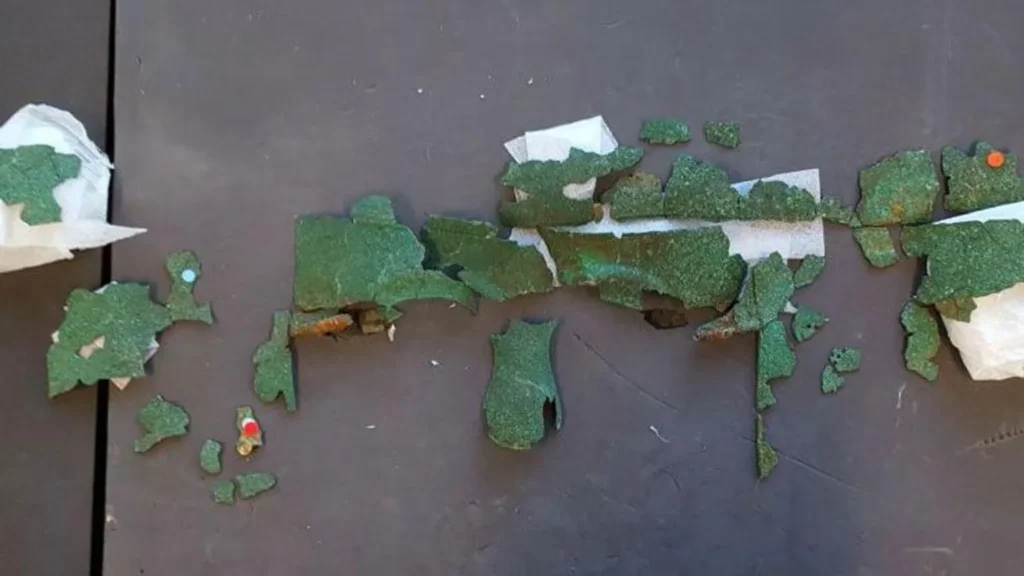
(83, 200)
(753, 240)
(991, 345)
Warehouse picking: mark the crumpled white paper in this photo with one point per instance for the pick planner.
(752, 240)
(83, 200)
(991, 345)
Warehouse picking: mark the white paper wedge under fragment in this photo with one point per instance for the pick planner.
(555, 143)
(122, 383)
(589, 135)
(83, 200)
(753, 240)
(991, 345)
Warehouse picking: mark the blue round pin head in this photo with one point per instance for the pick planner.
(188, 275)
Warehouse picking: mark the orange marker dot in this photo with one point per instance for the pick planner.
(995, 159)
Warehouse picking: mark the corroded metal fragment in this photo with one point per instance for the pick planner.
(522, 387)
(900, 189)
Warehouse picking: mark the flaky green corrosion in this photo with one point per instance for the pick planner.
(522, 385)
(690, 265)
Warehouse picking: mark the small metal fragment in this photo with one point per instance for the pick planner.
(250, 433)
(666, 131)
(209, 456)
(845, 359)
(876, 245)
(224, 492)
(767, 459)
(831, 381)
(161, 420)
(254, 484)
(806, 323)
(725, 134)
(974, 182)
(185, 270)
(810, 269)
(275, 373)
(522, 391)
(900, 189)
(922, 340)
(832, 210)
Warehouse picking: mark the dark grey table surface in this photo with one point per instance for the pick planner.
(232, 118)
(56, 52)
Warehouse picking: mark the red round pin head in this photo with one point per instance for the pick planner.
(250, 428)
(995, 159)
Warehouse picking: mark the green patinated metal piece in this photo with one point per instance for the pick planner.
(957, 308)
(767, 289)
(543, 181)
(764, 398)
(922, 340)
(368, 259)
(555, 211)
(972, 184)
(777, 201)
(522, 385)
(666, 131)
(253, 484)
(845, 359)
(699, 191)
(693, 266)
(775, 357)
(185, 270)
(105, 334)
(160, 420)
(29, 175)
(224, 492)
(635, 197)
(831, 381)
(209, 456)
(247, 441)
(832, 210)
(493, 267)
(900, 189)
(725, 134)
(275, 374)
(966, 259)
(876, 245)
(625, 293)
(810, 269)
(806, 323)
(767, 459)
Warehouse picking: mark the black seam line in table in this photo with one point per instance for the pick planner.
(99, 482)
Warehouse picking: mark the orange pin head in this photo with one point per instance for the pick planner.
(995, 159)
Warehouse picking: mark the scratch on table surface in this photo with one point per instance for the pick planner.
(899, 395)
(929, 550)
(643, 391)
(1001, 437)
(808, 466)
(818, 471)
(658, 434)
